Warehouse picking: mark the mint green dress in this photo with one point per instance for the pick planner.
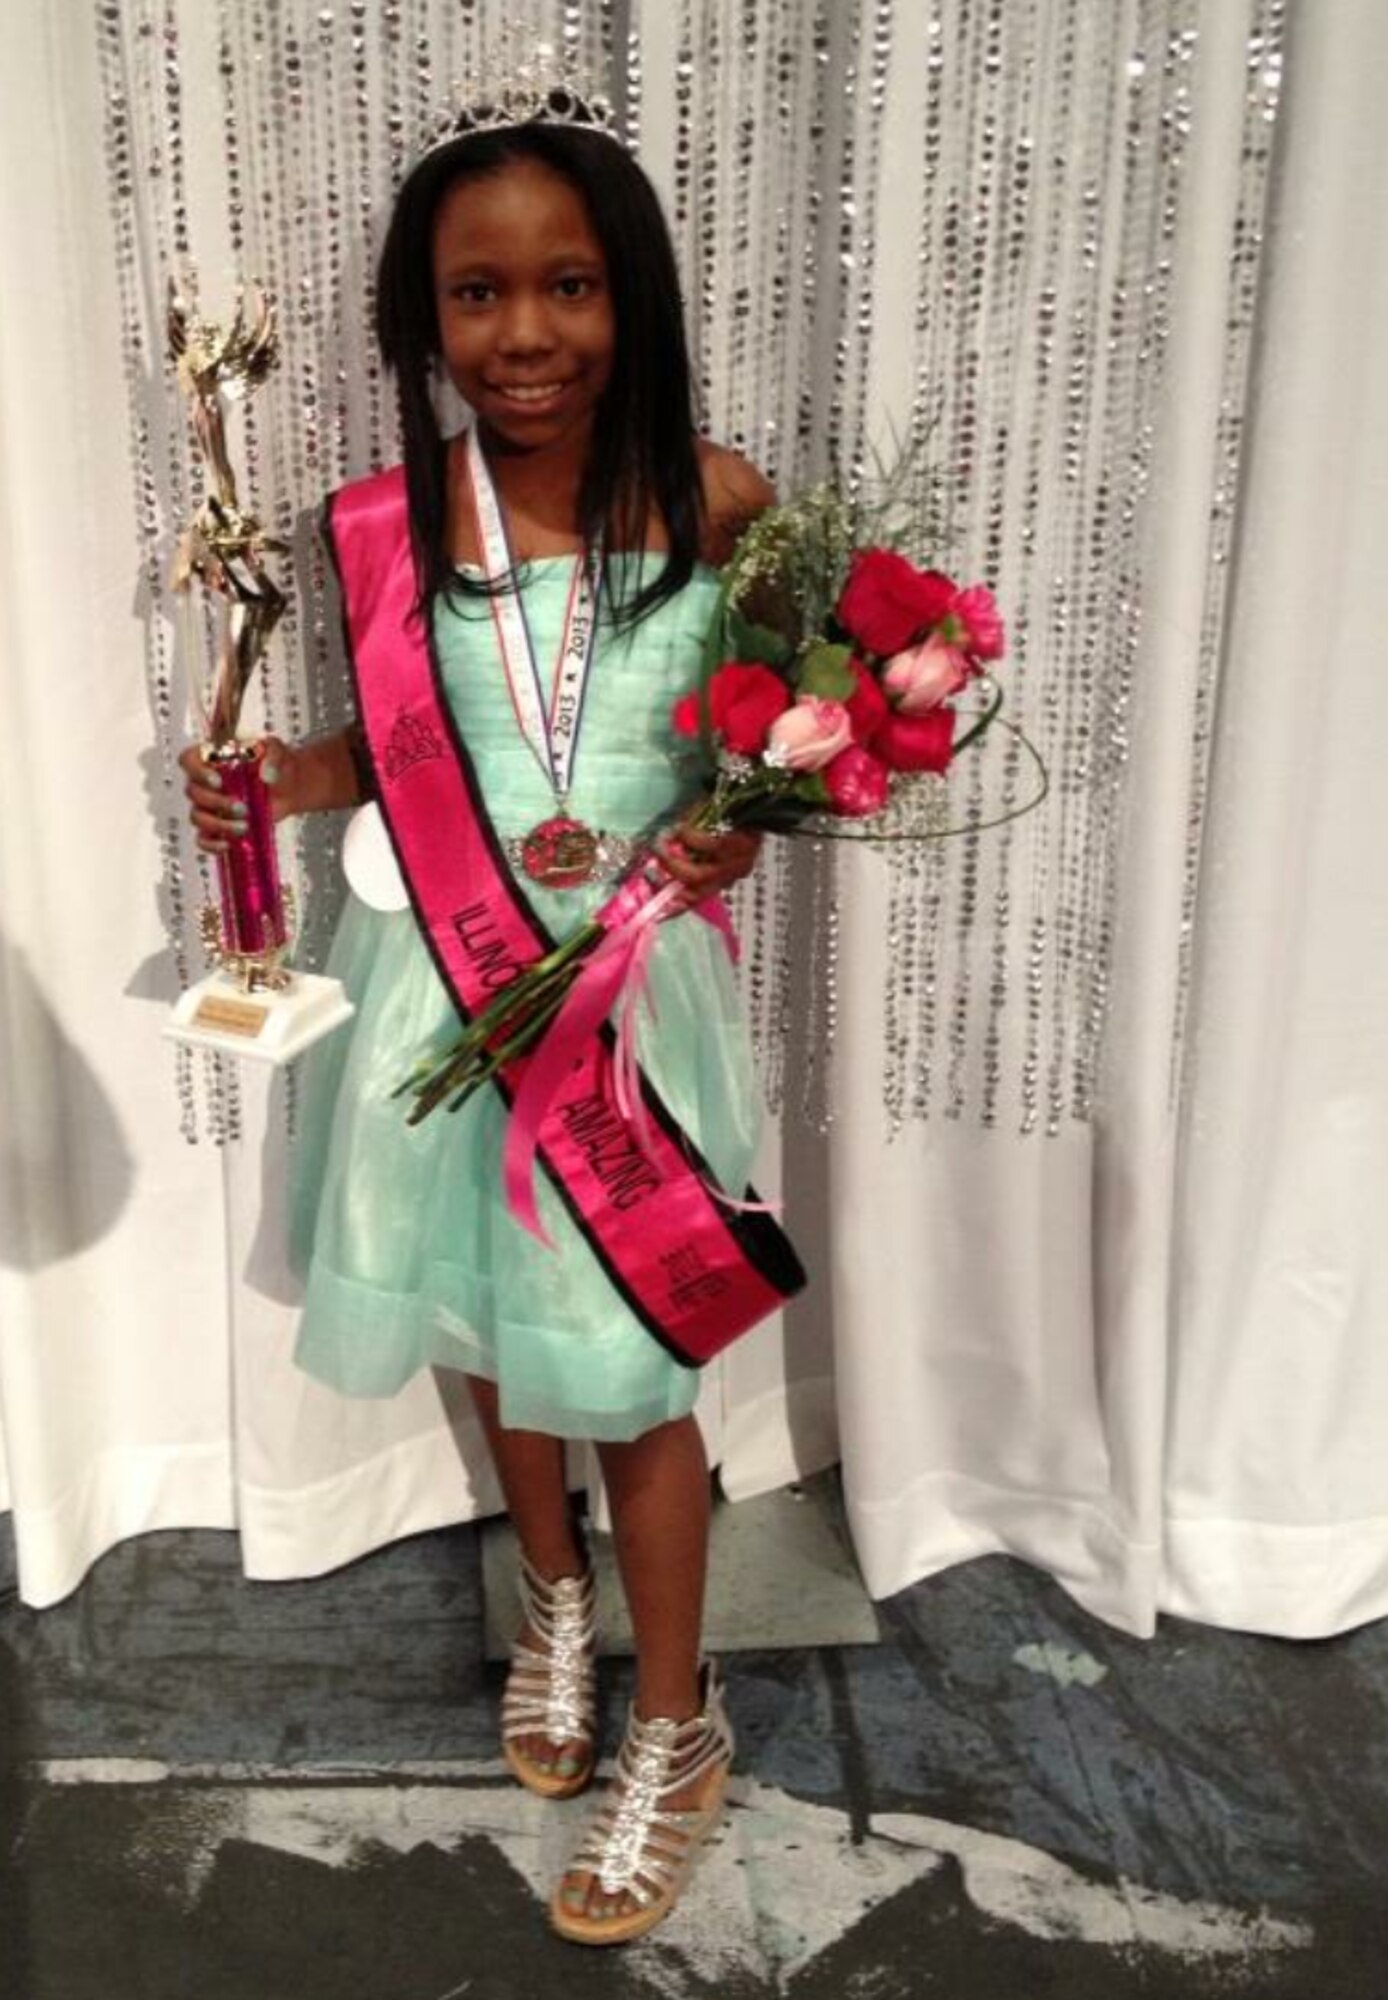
(410, 1255)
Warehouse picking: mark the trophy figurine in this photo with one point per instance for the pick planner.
(253, 1003)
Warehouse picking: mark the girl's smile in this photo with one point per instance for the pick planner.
(525, 319)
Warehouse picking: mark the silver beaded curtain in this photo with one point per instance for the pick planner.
(945, 223)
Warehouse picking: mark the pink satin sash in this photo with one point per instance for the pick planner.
(695, 1273)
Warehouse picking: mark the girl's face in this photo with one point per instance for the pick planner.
(525, 317)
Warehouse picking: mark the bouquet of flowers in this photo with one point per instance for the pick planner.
(828, 702)
(831, 677)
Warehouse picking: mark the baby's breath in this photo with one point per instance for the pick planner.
(789, 567)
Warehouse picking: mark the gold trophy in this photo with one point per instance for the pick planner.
(253, 1003)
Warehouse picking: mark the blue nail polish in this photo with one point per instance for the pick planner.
(270, 773)
(214, 779)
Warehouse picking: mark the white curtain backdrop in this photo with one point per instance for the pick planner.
(1148, 1355)
(1134, 1344)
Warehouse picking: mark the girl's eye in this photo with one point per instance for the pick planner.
(474, 293)
(574, 287)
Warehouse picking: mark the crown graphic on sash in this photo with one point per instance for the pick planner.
(410, 742)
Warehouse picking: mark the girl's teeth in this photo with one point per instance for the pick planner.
(536, 394)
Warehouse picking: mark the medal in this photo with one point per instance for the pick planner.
(561, 852)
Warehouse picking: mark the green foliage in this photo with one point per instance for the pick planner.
(811, 787)
(826, 672)
(789, 567)
(785, 576)
(745, 641)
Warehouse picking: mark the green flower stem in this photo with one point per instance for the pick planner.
(736, 804)
(533, 979)
(519, 1016)
(512, 1023)
(984, 721)
(527, 1034)
(533, 994)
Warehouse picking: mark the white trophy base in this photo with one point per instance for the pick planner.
(217, 1013)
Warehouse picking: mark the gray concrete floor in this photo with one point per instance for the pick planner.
(243, 1791)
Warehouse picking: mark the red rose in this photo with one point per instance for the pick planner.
(856, 782)
(867, 706)
(743, 703)
(888, 604)
(684, 716)
(916, 742)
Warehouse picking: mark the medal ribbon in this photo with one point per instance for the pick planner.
(552, 732)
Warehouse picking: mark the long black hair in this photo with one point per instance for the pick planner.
(642, 457)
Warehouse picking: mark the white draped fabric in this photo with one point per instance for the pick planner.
(1139, 1350)
(1148, 1355)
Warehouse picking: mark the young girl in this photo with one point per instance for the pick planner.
(532, 262)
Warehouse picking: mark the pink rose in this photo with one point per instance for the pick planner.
(888, 604)
(917, 742)
(810, 733)
(921, 678)
(977, 611)
(856, 782)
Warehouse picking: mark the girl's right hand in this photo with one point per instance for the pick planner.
(216, 817)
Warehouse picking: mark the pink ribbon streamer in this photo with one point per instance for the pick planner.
(616, 970)
(629, 920)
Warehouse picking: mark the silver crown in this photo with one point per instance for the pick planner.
(523, 79)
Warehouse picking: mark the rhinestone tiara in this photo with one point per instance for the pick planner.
(523, 79)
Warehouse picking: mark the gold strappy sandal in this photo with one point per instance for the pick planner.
(634, 1841)
(552, 1693)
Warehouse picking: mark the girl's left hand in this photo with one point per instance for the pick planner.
(708, 863)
